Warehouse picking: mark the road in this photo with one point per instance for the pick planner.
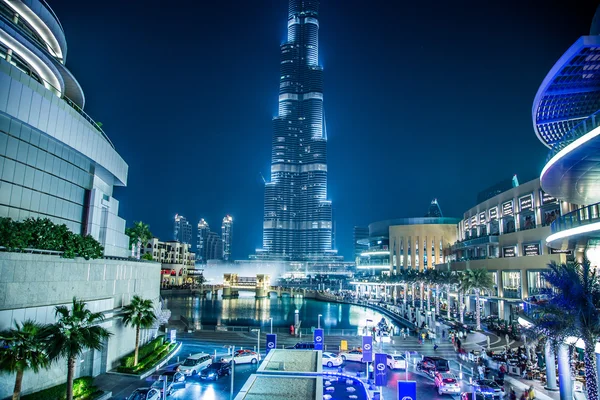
(212, 342)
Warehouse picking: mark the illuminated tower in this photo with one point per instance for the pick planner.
(182, 231)
(297, 214)
(203, 231)
(226, 235)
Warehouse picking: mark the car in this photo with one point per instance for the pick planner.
(396, 361)
(145, 394)
(431, 365)
(478, 396)
(489, 388)
(385, 338)
(243, 357)
(195, 363)
(446, 383)
(173, 379)
(216, 370)
(301, 346)
(331, 360)
(352, 355)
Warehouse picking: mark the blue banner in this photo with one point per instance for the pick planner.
(380, 369)
(319, 339)
(271, 342)
(367, 346)
(407, 390)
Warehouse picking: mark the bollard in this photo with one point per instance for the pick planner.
(460, 374)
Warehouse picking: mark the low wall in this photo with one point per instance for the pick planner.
(32, 285)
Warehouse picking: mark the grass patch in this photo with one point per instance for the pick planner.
(83, 389)
(149, 361)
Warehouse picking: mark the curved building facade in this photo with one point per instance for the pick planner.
(297, 221)
(55, 161)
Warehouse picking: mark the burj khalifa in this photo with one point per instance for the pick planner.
(297, 223)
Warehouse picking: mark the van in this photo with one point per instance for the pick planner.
(195, 363)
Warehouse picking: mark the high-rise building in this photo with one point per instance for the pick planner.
(360, 233)
(226, 236)
(213, 248)
(434, 209)
(297, 214)
(182, 231)
(203, 231)
(56, 162)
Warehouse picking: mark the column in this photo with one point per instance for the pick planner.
(524, 284)
(598, 365)
(564, 373)
(550, 366)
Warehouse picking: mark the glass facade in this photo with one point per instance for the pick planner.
(511, 284)
(536, 282)
(41, 177)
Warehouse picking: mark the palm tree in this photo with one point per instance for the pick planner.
(22, 349)
(76, 329)
(575, 306)
(139, 235)
(139, 313)
(478, 280)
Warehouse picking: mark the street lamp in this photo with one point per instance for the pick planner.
(271, 320)
(319, 321)
(257, 340)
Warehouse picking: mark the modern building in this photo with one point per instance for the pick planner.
(210, 245)
(56, 162)
(359, 233)
(175, 257)
(297, 214)
(203, 231)
(506, 235)
(407, 243)
(226, 236)
(213, 247)
(182, 231)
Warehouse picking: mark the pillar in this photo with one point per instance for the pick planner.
(226, 292)
(261, 293)
(550, 366)
(501, 310)
(524, 284)
(564, 373)
(598, 365)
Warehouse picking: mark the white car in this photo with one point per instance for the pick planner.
(446, 383)
(195, 363)
(331, 360)
(352, 355)
(144, 394)
(243, 357)
(396, 361)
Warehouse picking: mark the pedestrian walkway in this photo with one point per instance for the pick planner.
(540, 392)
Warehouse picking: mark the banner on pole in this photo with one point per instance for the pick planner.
(271, 342)
(318, 339)
(407, 390)
(367, 346)
(380, 369)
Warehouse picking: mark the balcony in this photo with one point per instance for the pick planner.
(488, 239)
(577, 226)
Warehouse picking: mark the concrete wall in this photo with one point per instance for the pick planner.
(31, 286)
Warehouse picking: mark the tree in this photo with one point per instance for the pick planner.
(573, 310)
(76, 329)
(478, 280)
(140, 314)
(22, 349)
(139, 235)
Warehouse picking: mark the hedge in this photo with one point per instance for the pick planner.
(149, 361)
(83, 389)
(144, 351)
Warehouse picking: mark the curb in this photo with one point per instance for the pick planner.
(104, 396)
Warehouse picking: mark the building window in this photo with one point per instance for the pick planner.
(511, 284)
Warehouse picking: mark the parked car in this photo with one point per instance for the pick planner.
(489, 388)
(216, 370)
(174, 379)
(243, 357)
(446, 383)
(431, 365)
(195, 363)
(331, 359)
(145, 394)
(396, 361)
(352, 355)
(301, 346)
(478, 396)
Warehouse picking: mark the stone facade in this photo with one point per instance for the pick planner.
(32, 285)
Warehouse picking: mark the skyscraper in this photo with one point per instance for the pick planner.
(226, 236)
(203, 231)
(183, 230)
(297, 221)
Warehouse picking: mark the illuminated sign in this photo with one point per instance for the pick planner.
(509, 252)
(526, 202)
(474, 221)
(560, 251)
(493, 213)
(367, 345)
(546, 198)
(507, 208)
(482, 218)
(532, 249)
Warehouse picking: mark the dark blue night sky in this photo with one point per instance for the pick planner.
(421, 100)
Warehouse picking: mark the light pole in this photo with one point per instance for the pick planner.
(319, 321)
(232, 372)
(271, 320)
(257, 340)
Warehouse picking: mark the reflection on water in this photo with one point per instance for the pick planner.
(248, 311)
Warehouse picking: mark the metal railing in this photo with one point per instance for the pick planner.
(583, 216)
(579, 130)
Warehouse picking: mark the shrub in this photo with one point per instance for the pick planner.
(143, 352)
(83, 389)
(149, 361)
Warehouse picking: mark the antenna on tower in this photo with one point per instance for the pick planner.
(263, 178)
